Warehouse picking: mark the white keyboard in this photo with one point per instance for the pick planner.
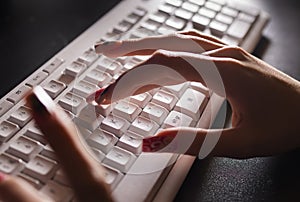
(115, 132)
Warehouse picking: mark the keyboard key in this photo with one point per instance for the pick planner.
(155, 112)
(165, 30)
(104, 110)
(122, 26)
(176, 23)
(99, 155)
(17, 95)
(200, 87)
(75, 69)
(49, 152)
(230, 40)
(191, 103)
(224, 18)
(109, 65)
(198, 2)
(177, 119)
(159, 17)
(84, 88)
(229, 11)
(132, 18)
(191, 7)
(183, 14)
(88, 118)
(53, 65)
(88, 57)
(24, 148)
(200, 22)
(143, 126)
(165, 99)
(57, 192)
(127, 110)
(21, 116)
(139, 12)
(244, 8)
(247, 18)
(207, 12)
(54, 88)
(239, 29)
(33, 182)
(35, 133)
(166, 8)
(176, 3)
(120, 159)
(141, 99)
(115, 125)
(178, 89)
(131, 142)
(41, 168)
(37, 79)
(98, 77)
(102, 140)
(150, 25)
(217, 28)
(112, 176)
(61, 178)
(7, 130)
(213, 6)
(9, 164)
(71, 102)
(5, 106)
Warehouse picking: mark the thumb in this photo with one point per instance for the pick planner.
(15, 189)
(197, 142)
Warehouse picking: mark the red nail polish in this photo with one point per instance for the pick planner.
(2, 176)
(156, 143)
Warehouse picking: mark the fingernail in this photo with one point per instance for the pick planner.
(156, 143)
(2, 177)
(95, 97)
(106, 46)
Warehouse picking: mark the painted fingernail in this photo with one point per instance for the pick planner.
(2, 177)
(95, 97)
(106, 46)
(156, 143)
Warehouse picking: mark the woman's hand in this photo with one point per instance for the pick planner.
(84, 173)
(265, 101)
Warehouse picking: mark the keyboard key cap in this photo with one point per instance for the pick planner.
(200, 87)
(71, 102)
(176, 23)
(150, 25)
(109, 65)
(21, 116)
(183, 14)
(61, 178)
(102, 140)
(178, 89)
(131, 142)
(141, 99)
(99, 155)
(213, 6)
(139, 12)
(217, 28)
(159, 17)
(35, 133)
(198, 2)
(143, 126)
(115, 125)
(7, 130)
(54, 88)
(33, 182)
(120, 159)
(17, 95)
(239, 29)
(9, 164)
(122, 27)
(166, 8)
(229, 11)
(165, 99)
(53, 65)
(224, 18)
(37, 79)
(247, 18)
(155, 112)
(165, 30)
(112, 176)
(98, 77)
(75, 69)
(176, 3)
(177, 119)
(49, 152)
(200, 22)
(127, 110)
(88, 57)
(132, 18)
(230, 40)
(57, 192)
(191, 103)
(41, 168)
(191, 7)
(88, 118)
(84, 88)
(24, 148)
(207, 12)
(5, 106)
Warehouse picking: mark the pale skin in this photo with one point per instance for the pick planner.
(265, 105)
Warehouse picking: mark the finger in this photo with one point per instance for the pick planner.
(146, 46)
(235, 52)
(84, 172)
(199, 142)
(168, 68)
(15, 189)
(202, 35)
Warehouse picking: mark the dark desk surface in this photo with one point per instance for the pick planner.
(33, 31)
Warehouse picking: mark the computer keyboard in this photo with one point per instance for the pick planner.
(114, 132)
